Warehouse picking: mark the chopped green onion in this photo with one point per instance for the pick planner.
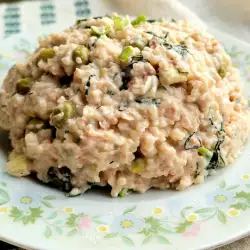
(205, 152)
(139, 20)
(139, 43)
(81, 52)
(124, 192)
(126, 54)
(99, 31)
(118, 22)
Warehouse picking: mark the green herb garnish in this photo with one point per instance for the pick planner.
(88, 85)
(154, 101)
(186, 144)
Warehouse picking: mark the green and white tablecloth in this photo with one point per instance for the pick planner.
(31, 16)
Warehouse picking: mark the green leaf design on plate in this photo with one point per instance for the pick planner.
(49, 197)
(16, 214)
(59, 230)
(128, 241)
(72, 220)
(163, 240)
(232, 187)
(46, 204)
(183, 226)
(240, 206)
(111, 235)
(222, 217)
(52, 215)
(222, 184)
(58, 222)
(147, 239)
(129, 210)
(72, 232)
(184, 210)
(243, 195)
(4, 184)
(248, 185)
(4, 197)
(48, 232)
(205, 210)
(152, 226)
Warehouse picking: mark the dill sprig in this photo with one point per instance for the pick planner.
(187, 142)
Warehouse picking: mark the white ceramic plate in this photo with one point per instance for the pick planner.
(35, 216)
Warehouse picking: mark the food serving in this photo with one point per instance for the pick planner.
(130, 103)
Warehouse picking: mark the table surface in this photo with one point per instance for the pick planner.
(215, 10)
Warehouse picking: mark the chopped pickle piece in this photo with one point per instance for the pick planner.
(81, 52)
(138, 165)
(17, 165)
(23, 86)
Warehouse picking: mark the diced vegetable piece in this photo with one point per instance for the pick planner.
(205, 152)
(46, 54)
(69, 110)
(102, 72)
(17, 165)
(171, 76)
(222, 71)
(99, 31)
(139, 43)
(35, 125)
(81, 52)
(61, 114)
(118, 22)
(124, 192)
(126, 54)
(138, 165)
(139, 20)
(23, 86)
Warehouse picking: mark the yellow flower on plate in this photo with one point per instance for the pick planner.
(245, 177)
(192, 217)
(158, 211)
(236, 65)
(233, 212)
(102, 228)
(3, 209)
(220, 198)
(68, 210)
(127, 224)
